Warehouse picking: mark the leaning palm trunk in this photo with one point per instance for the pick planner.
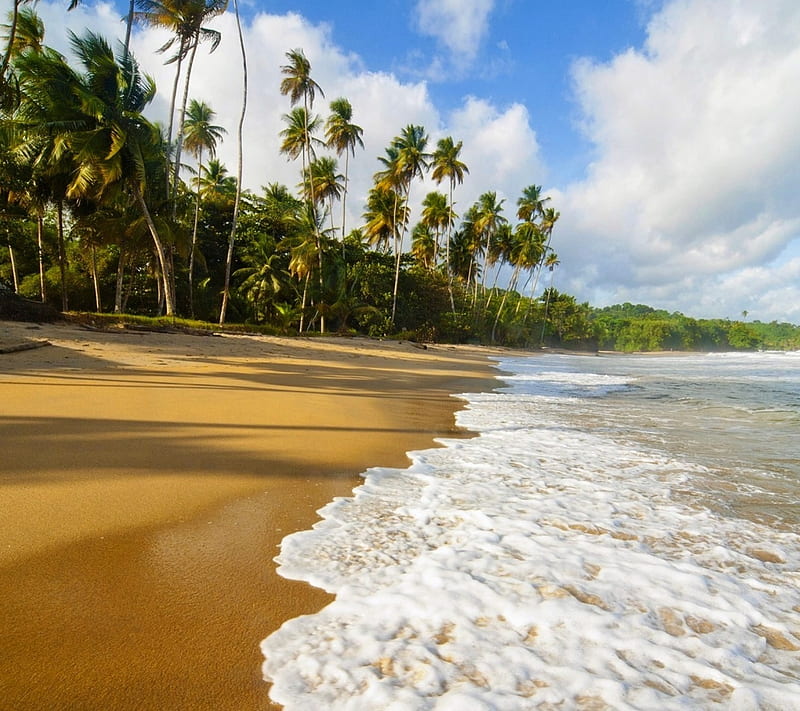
(62, 258)
(194, 235)
(232, 238)
(95, 280)
(40, 245)
(511, 287)
(163, 262)
(181, 122)
(13, 267)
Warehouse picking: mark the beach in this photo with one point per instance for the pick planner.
(147, 480)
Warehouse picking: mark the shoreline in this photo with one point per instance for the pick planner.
(147, 480)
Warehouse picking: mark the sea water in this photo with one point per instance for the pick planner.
(622, 533)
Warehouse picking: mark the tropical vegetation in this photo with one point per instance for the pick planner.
(100, 213)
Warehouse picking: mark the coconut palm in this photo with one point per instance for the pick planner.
(201, 135)
(185, 19)
(423, 245)
(343, 136)
(527, 249)
(438, 217)
(385, 210)
(488, 220)
(405, 160)
(297, 84)
(112, 147)
(447, 166)
(324, 182)
(239, 169)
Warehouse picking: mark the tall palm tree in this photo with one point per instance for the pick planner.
(447, 166)
(551, 262)
(324, 182)
(385, 210)
(186, 20)
(437, 216)
(530, 206)
(113, 146)
(239, 168)
(423, 245)
(201, 135)
(488, 220)
(343, 136)
(526, 251)
(406, 160)
(11, 40)
(297, 84)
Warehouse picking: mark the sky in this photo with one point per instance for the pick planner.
(665, 132)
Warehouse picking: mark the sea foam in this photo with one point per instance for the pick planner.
(545, 563)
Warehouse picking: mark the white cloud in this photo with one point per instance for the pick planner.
(459, 25)
(695, 170)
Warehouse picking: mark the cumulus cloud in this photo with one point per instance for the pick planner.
(694, 178)
(459, 25)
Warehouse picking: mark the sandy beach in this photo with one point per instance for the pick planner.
(147, 479)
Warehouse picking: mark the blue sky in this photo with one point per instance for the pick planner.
(665, 131)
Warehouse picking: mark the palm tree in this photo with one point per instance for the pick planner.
(185, 19)
(11, 40)
(385, 210)
(201, 135)
(239, 169)
(324, 182)
(343, 136)
(405, 160)
(297, 84)
(526, 251)
(488, 220)
(551, 262)
(113, 146)
(447, 165)
(423, 245)
(438, 217)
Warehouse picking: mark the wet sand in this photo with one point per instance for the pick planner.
(146, 481)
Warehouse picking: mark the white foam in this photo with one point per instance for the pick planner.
(538, 566)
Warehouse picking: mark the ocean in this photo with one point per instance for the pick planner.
(622, 532)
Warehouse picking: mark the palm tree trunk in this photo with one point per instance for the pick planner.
(181, 121)
(169, 294)
(62, 257)
(40, 245)
(95, 280)
(447, 253)
(303, 303)
(511, 287)
(194, 234)
(232, 238)
(129, 25)
(547, 306)
(173, 97)
(13, 268)
(11, 37)
(120, 277)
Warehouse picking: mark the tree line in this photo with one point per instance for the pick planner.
(636, 327)
(101, 212)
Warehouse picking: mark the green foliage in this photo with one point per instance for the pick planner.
(628, 327)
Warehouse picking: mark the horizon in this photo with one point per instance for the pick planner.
(670, 152)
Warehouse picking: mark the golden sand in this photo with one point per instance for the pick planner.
(146, 481)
